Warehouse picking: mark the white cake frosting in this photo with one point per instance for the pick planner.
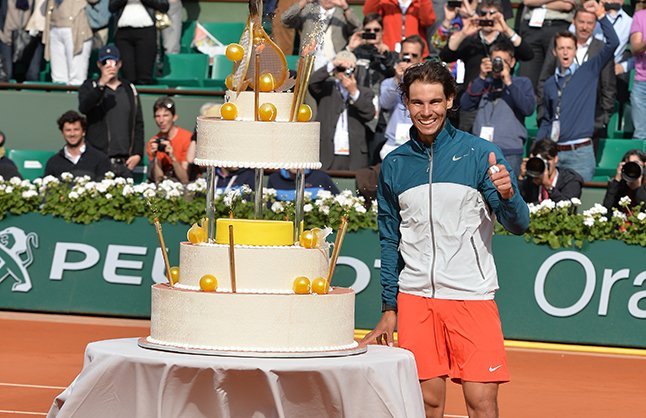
(258, 269)
(252, 322)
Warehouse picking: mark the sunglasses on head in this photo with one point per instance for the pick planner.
(487, 12)
(373, 30)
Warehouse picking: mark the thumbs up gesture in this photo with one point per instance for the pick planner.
(500, 178)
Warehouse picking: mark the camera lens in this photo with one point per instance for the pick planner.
(631, 171)
(535, 167)
(497, 65)
(160, 147)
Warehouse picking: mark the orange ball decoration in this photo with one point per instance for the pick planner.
(174, 274)
(302, 285)
(196, 234)
(229, 82)
(266, 83)
(208, 283)
(308, 239)
(304, 113)
(319, 286)
(235, 52)
(228, 111)
(267, 112)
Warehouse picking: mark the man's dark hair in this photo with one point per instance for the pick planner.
(503, 45)
(373, 17)
(580, 9)
(564, 34)
(637, 152)
(71, 117)
(497, 4)
(428, 72)
(164, 103)
(545, 148)
(414, 39)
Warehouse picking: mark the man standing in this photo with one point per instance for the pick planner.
(439, 197)
(569, 98)
(76, 157)
(113, 110)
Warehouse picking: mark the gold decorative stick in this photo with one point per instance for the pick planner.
(297, 88)
(163, 249)
(232, 261)
(337, 249)
(302, 81)
(256, 83)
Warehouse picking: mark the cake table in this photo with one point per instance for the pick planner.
(121, 379)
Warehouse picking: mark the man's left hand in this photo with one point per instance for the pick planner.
(132, 162)
(500, 177)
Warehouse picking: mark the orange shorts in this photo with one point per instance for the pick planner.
(461, 339)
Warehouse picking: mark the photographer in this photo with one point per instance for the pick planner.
(628, 181)
(541, 180)
(502, 103)
(167, 149)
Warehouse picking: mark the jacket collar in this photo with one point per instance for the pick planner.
(446, 134)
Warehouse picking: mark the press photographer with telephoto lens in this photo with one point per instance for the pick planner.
(628, 181)
(541, 179)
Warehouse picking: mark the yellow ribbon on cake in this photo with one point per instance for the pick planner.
(255, 232)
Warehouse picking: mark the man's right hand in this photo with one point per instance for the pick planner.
(108, 72)
(383, 332)
(485, 67)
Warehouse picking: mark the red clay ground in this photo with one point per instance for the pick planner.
(41, 355)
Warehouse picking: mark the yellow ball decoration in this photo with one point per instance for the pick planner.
(267, 112)
(308, 239)
(304, 113)
(208, 283)
(235, 52)
(266, 83)
(319, 286)
(196, 234)
(302, 285)
(229, 82)
(174, 274)
(228, 111)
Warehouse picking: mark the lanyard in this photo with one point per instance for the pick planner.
(559, 93)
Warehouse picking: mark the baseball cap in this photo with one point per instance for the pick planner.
(109, 52)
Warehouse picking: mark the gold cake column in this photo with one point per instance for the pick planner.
(258, 196)
(210, 201)
(298, 207)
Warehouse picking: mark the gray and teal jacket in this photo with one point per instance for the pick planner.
(437, 209)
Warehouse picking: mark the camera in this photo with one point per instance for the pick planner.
(485, 22)
(453, 4)
(347, 71)
(497, 65)
(161, 147)
(631, 171)
(535, 166)
(368, 35)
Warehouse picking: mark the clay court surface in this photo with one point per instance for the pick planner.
(41, 355)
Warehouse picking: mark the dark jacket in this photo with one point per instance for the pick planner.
(568, 185)
(91, 104)
(234, 179)
(117, 6)
(4, 5)
(285, 185)
(330, 106)
(618, 189)
(8, 169)
(92, 163)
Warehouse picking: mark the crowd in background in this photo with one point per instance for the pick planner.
(566, 63)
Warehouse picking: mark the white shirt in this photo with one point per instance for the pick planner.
(74, 158)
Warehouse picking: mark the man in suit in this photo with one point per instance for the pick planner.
(335, 15)
(344, 108)
(587, 47)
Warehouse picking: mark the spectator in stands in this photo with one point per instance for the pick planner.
(136, 36)
(399, 124)
(474, 42)
(8, 168)
(540, 179)
(113, 110)
(68, 41)
(16, 17)
(402, 18)
(167, 150)
(172, 35)
(587, 47)
(336, 15)
(76, 157)
(284, 182)
(629, 181)
(227, 179)
(540, 21)
(283, 35)
(99, 18)
(638, 94)
(452, 21)
(502, 102)
(569, 98)
(344, 108)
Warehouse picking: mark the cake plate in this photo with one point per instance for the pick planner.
(144, 343)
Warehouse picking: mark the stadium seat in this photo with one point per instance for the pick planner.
(610, 153)
(184, 70)
(225, 32)
(292, 62)
(31, 164)
(221, 68)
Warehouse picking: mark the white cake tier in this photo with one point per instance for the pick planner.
(244, 102)
(250, 144)
(252, 322)
(258, 269)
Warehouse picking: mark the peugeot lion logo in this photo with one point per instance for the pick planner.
(14, 243)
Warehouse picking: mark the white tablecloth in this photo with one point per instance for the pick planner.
(121, 379)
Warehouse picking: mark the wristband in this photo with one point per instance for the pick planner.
(514, 37)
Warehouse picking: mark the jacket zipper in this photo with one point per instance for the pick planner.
(475, 251)
(430, 216)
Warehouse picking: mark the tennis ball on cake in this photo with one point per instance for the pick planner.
(319, 286)
(267, 112)
(228, 111)
(308, 239)
(208, 283)
(174, 274)
(302, 285)
(196, 234)
(235, 52)
(229, 82)
(304, 113)
(267, 82)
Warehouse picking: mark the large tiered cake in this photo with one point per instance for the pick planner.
(263, 314)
